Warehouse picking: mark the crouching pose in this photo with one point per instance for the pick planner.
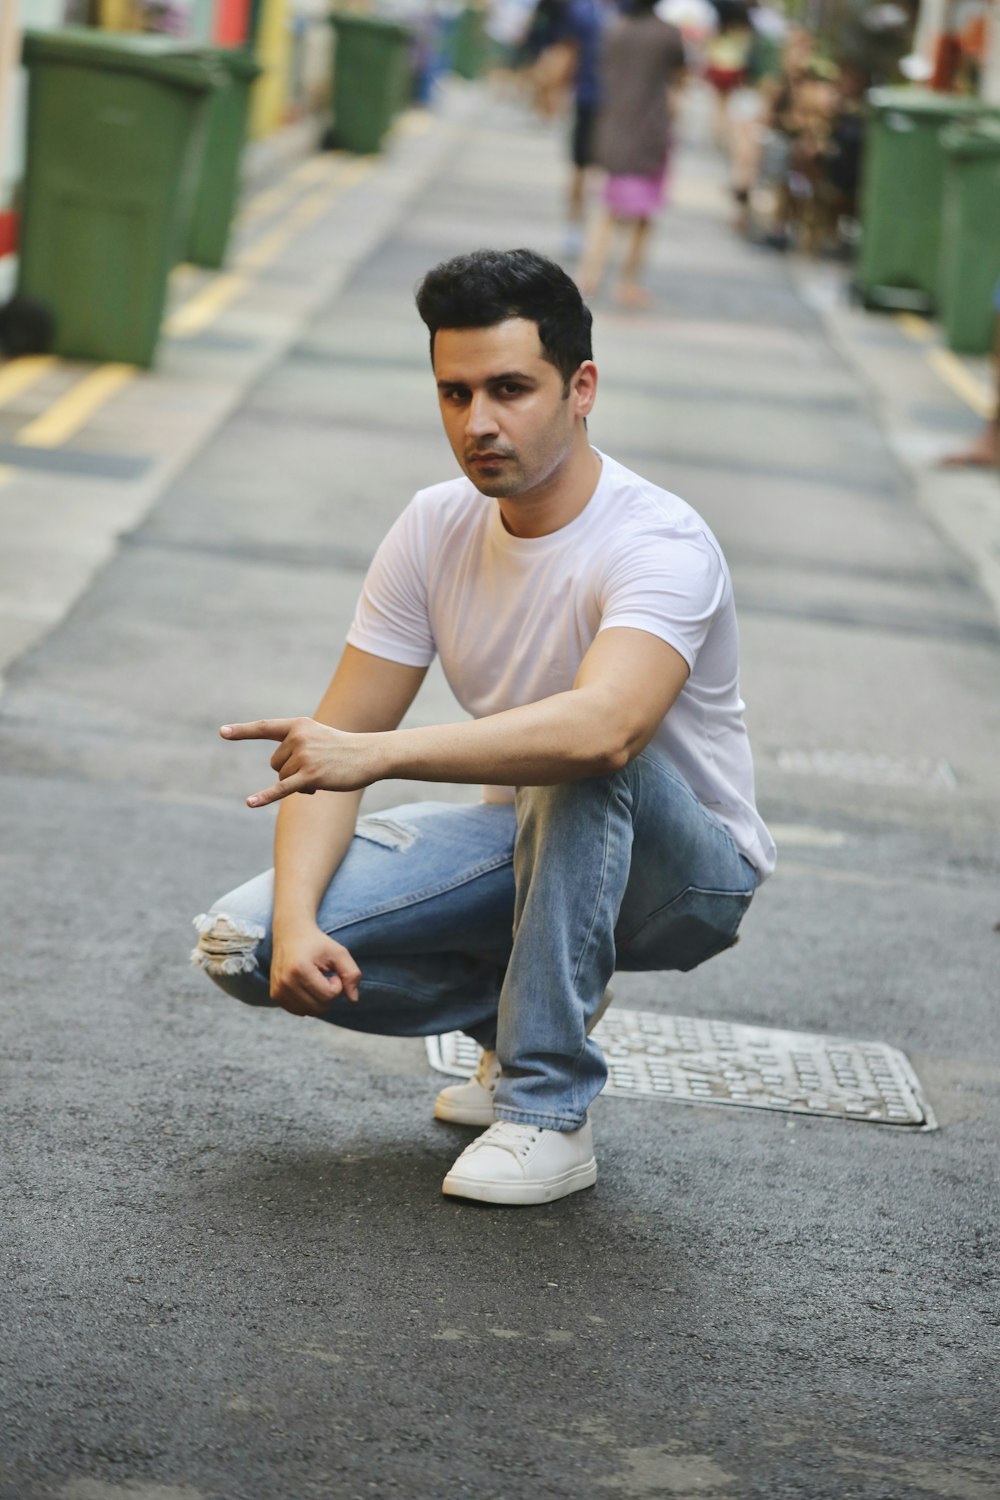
(584, 618)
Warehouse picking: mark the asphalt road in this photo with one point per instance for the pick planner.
(229, 1271)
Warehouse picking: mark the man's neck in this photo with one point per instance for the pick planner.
(559, 499)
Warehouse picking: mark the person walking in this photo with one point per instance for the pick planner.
(584, 617)
(583, 24)
(642, 62)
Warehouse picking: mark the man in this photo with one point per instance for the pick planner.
(585, 619)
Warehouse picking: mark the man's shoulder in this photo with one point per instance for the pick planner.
(644, 503)
(640, 512)
(449, 494)
(439, 508)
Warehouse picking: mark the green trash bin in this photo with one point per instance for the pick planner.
(470, 44)
(115, 127)
(219, 176)
(371, 75)
(970, 238)
(901, 196)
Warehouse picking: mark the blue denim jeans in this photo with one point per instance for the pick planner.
(507, 922)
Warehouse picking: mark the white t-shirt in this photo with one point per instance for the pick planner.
(512, 617)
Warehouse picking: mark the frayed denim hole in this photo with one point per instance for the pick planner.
(387, 832)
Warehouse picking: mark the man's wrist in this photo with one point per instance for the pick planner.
(287, 918)
(382, 752)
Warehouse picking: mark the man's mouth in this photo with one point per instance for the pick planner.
(488, 458)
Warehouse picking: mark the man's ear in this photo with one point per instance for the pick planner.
(583, 389)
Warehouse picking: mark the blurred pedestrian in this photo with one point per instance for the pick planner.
(642, 65)
(727, 55)
(585, 619)
(583, 25)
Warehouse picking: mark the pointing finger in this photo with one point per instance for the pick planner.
(258, 729)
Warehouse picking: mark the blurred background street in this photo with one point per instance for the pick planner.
(229, 1269)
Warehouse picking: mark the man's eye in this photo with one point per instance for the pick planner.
(511, 388)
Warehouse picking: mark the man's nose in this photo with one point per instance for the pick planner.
(481, 421)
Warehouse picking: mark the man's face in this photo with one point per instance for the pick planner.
(504, 407)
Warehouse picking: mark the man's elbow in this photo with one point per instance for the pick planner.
(616, 752)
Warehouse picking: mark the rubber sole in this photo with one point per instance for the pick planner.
(454, 1114)
(522, 1194)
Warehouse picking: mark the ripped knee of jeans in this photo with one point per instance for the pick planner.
(226, 945)
(390, 832)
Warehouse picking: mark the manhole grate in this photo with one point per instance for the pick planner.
(690, 1061)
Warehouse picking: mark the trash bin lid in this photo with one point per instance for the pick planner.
(979, 139)
(159, 57)
(924, 102)
(348, 18)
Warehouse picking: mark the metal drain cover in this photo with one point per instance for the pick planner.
(690, 1061)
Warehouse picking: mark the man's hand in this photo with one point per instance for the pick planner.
(311, 757)
(308, 970)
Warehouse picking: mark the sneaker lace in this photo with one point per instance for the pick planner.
(518, 1139)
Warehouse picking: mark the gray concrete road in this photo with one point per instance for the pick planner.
(229, 1272)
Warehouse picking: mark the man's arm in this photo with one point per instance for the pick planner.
(367, 695)
(626, 683)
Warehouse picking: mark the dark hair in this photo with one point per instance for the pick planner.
(489, 286)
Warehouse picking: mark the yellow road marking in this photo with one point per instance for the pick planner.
(264, 250)
(357, 172)
(205, 306)
(271, 199)
(311, 209)
(317, 167)
(918, 328)
(965, 385)
(414, 122)
(265, 203)
(22, 373)
(67, 415)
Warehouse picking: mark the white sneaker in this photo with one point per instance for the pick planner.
(471, 1103)
(522, 1164)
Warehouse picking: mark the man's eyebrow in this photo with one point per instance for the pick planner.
(502, 378)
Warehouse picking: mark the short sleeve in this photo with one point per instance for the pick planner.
(392, 618)
(672, 587)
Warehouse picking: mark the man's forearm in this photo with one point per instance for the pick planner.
(312, 836)
(562, 738)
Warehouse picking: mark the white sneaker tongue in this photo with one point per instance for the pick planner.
(507, 1134)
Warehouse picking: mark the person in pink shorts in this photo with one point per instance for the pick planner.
(641, 66)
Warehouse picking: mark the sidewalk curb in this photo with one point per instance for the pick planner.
(962, 505)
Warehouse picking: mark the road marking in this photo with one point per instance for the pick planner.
(962, 382)
(948, 367)
(67, 415)
(917, 327)
(413, 122)
(264, 250)
(271, 199)
(317, 167)
(205, 306)
(19, 374)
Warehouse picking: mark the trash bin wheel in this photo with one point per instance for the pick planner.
(26, 327)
